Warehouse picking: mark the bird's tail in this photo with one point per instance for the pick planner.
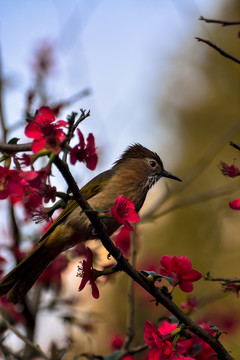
(20, 280)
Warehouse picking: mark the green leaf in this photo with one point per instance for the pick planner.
(13, 140)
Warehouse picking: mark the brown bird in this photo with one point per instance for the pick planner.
(136, 171)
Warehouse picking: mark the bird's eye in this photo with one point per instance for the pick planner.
(152, 163)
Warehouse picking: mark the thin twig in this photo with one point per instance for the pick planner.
(221, 22)
(217, 48)
(72, 99)
(25, 339)
(235, 146)
(225, 280)
(190, 200)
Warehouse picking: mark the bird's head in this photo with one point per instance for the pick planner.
(145, 164)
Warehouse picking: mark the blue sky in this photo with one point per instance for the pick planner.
(120, 49)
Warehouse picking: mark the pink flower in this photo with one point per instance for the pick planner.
(84, 152)
(179, 268)
(235, 204)
(87, 273)
(124, 212)
(45, 131)
(159, 347)
(230, 171)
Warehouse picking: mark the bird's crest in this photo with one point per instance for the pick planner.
(137, 151)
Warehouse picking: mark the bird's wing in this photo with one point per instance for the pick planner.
(92, 188)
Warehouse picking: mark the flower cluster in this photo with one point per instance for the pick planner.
(163, 345)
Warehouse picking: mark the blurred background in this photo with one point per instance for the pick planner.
(139, 69)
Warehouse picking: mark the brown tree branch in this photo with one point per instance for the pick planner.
(221, 22)
(217, 48)
(14, 148)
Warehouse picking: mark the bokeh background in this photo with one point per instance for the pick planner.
(148, 81)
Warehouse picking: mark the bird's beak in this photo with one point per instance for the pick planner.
(169, 175)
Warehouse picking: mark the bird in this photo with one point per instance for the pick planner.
(132, 176)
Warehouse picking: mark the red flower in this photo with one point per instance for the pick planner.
(84, 153)
(160, 342)
(179, 268)
(190, 305)
(11, 311)
(45, 132)
(197, 348)
(124, 212)
(87, 273)
(159, 347)
(44, 61)
(117, 341)
(123, 241)
(233, 287)
(235, 204)
(35, 189)
(25, 160)
(230, 171)
(11, 183)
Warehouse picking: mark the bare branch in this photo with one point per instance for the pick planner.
(184, 201)
(221, 22)
(217, 48)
